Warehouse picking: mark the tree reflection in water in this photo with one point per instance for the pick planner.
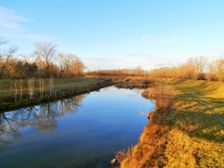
(43, 117)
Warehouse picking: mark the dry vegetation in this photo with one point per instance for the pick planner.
(22, 92)
(197, 68)
(138, 71)
(43, 62)
(164, 94)
(43, 75)
(188, 132)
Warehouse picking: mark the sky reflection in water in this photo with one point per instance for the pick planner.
(83, 131)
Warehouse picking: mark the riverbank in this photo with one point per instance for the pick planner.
(186, 130)
(25, 92)
(127, 81)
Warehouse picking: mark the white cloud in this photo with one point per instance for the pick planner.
(9, 19)
(13, 29)
(146, 37)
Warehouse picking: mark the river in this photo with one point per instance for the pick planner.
(80, 132)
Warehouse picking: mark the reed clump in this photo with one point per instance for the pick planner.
(164, 95)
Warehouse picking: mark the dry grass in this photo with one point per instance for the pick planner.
(189, 133)
(14, 93)
(164, 94)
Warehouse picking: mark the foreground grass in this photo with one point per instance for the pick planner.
(19, 93)
(189, 133)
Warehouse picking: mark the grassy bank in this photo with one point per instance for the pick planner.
(187, 132)
(19, 93)
(127, 81)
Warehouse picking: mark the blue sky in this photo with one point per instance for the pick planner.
(118, 33)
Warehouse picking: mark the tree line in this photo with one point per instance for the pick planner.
(197, 68)
(138, 71)
(44, 62)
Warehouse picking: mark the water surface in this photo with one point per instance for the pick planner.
(84, 131)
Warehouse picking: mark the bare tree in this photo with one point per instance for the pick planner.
(220, 69)
(78, 67)
(5, 55)
(188, 70)
(67, 61)
(212, 71)
(41, 63)
(45, 52)
(200, 64)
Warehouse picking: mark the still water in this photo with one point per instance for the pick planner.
(80, 132)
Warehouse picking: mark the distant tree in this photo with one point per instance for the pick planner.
(19, 69)
(6, 54)
(67, 61)
(45, 53)
(78, 67)
(30, 69)
(220, 69)
(187, 70)
(24, 69)
(200, 64)
(211, 73)
(43, 62)
(193, 68)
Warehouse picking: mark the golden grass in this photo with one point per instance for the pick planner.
(164, 94)
(189, 133)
